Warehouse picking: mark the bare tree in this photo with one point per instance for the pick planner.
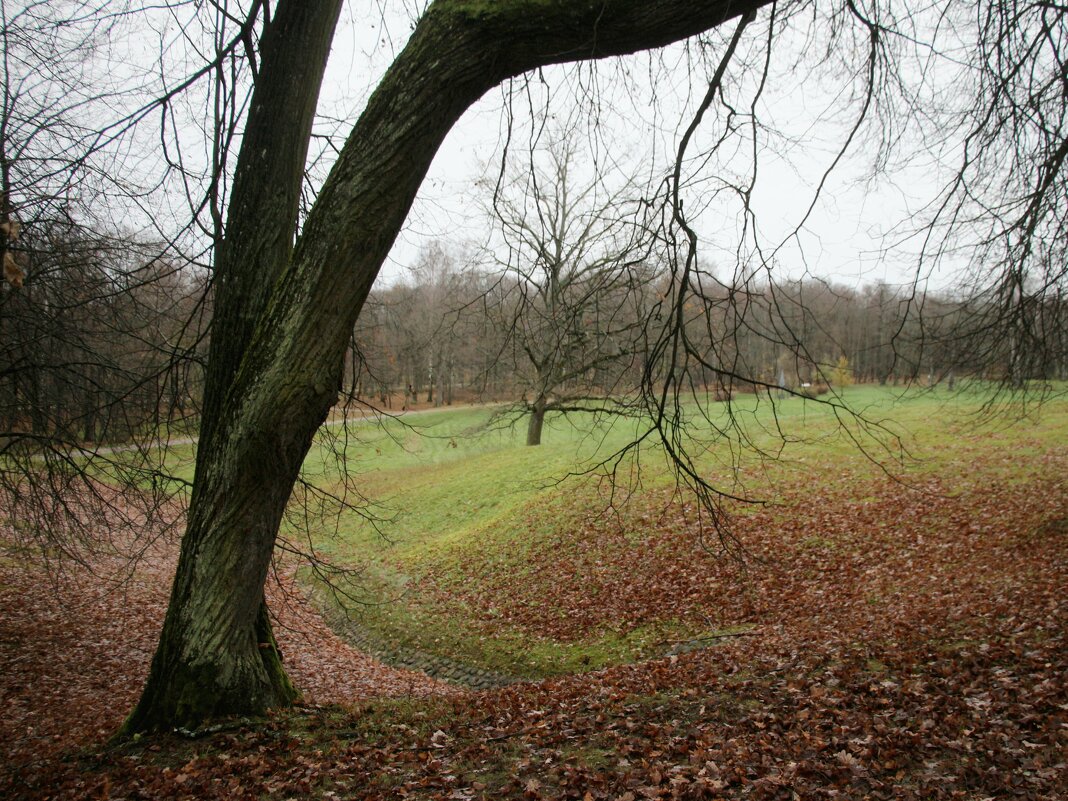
(284, 311)
(285, 307)
(576, 278)
(1010, 185)
(432, 324)
(100, 327)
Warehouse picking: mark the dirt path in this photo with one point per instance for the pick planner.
(352, 417)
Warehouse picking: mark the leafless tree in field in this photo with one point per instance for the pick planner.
(973, 94)
(576, 276)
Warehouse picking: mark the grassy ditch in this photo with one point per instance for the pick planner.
(483, 554)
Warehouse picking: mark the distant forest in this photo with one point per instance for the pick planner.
(448, 332)
(102, 340)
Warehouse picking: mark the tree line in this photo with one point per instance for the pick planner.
(104, 340)
(452, 331)
(99, 342)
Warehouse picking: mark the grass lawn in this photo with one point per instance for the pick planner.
(481, 553)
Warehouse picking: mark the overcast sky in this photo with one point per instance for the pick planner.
(632, 113)
(641, 106)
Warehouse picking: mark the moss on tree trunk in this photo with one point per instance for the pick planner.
(284, 316)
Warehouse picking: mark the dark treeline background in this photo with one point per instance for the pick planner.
(104, 339)
(450, 331)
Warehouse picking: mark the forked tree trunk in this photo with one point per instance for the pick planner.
(283, 320)
(217, 654)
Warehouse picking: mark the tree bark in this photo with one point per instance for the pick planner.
(290, 316)
(217, 654)
(537, 420)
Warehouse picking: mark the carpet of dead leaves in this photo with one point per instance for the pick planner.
(898, 645)
(76, 641)
(862, 558)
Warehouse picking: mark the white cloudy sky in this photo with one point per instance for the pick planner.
(642, 105)
(635, 110)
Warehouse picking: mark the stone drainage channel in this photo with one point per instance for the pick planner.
(438, 667)
(454, 672)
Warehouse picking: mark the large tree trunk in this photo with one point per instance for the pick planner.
(537, 421)
(217, 654)
(272, 383)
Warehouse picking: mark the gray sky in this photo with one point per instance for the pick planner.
(633, 113)
(640, 106)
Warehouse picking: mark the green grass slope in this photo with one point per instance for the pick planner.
(482, 555)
